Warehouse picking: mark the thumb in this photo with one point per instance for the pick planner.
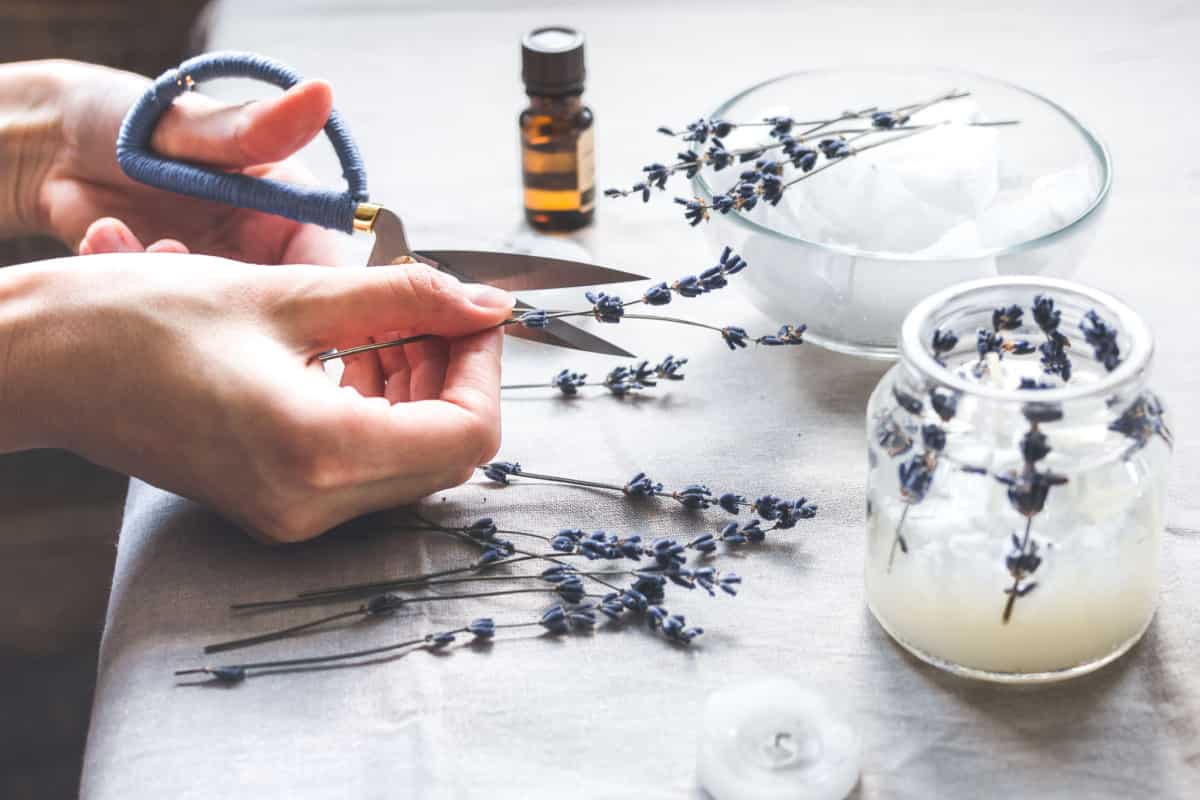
(201, 129)
(348, 304)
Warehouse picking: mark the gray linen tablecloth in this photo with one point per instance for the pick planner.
(432, 93)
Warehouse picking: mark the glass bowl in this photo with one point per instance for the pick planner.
(850, 251)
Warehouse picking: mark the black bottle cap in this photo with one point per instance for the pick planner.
(552, 60)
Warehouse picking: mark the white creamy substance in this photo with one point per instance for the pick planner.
(1099, 537)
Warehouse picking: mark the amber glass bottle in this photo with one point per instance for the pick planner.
(557, 160)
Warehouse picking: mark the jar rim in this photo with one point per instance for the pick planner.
(1128, 321)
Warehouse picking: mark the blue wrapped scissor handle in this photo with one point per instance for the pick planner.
(308, 204)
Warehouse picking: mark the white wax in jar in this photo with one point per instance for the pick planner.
(1097, 584)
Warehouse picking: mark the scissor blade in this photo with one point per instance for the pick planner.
(516, 272)
(563, 334)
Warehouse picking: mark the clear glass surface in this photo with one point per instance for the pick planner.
(940, 570)
(852, 250)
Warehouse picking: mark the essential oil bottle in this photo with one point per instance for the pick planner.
(557, 155)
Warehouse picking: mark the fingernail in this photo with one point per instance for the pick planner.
(487, 296)
(111, 236)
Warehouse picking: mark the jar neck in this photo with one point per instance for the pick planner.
(556, 105)
(974, 311)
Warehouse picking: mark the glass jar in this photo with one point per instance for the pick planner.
(1016, 483)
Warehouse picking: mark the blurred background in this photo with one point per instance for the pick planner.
(56, 560)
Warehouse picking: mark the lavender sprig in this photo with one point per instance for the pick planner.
(700, 130)
(662, 554)
(787, 147)
(916, 478)
(1055, 358)
(612, 309)
(558, 619)
(693, 496)
(1141, 421)
(1027, 493)
(620, 381)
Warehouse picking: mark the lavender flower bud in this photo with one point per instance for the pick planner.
(943, 342)
(534, 319)
(499, 471)
(482, 628)
(688, 286)
(641, 486)
(944, 403)
(1038, 413)
(915, 479)
(656, 175)
(883, 120)
(650, 585)
(481, 530)
(729, 584)
(730, 534)
(382, 604)
(554, 620)
(437, 640)
(655, 616)
(232, 674)
(557, 574)
(713, 278)
(734, 336)
(694, 496)
(568, 382)
(934, 437)
(906, 401)
(767, 506)
(634, 600)
(658, 295)
(582, 617)
(571, 589)
(732, 262)
(611, 606)
(631, 547)
(668, 368)
(694, 211)
(753, 531)
(731, 502)
(606, 307)
(681, 576)
(1103, 339)
(1007, 318)
(804, 159)
(1034, 446)
(1046, 315)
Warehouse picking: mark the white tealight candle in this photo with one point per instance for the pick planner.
(776, 740)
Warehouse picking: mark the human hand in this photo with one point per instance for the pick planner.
(197, 374)
(72, 178)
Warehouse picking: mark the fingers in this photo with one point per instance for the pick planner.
(427, 361)
(396, 371)
(472, 381)
(330, 306)
(109, 235)
(198, 128)
(371, 441)
(362, 372)
(167, 246)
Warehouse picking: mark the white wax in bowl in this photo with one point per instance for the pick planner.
(776, 740)
(887, 227)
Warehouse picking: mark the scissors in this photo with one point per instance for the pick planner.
(349, 211)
